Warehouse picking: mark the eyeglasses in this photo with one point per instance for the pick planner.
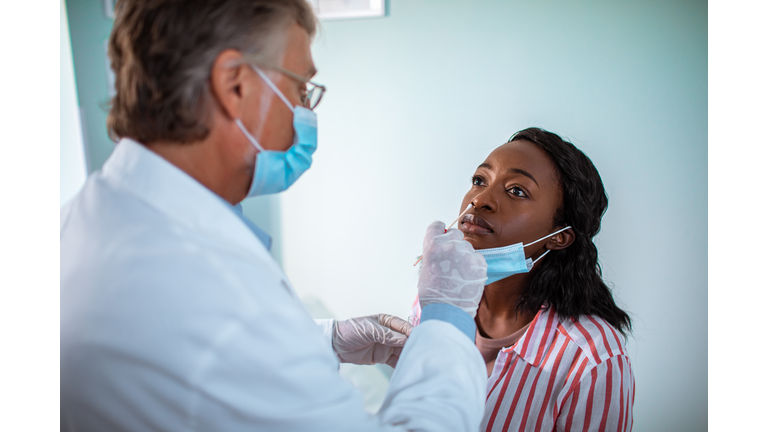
(313, 92)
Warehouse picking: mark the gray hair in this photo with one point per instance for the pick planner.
(162, 52)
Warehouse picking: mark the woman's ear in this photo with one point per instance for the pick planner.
(228, 74)
(561, 240)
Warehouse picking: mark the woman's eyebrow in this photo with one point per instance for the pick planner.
(513, 171)
(523, 172)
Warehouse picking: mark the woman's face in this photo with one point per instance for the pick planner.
(515, 193)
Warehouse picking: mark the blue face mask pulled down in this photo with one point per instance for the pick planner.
(276, 171)
(509, 260)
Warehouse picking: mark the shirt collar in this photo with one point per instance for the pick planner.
(263, 237)
(173, 192)
(536, 341)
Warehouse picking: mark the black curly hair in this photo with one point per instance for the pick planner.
(570, 280)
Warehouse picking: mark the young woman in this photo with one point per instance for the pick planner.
(551, 334)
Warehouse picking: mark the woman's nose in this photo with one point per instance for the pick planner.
(485, 200)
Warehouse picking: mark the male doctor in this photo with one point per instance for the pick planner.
(174, 316)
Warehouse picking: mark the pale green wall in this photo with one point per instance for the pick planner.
(89, 29)
(418, 99)
(72, 168)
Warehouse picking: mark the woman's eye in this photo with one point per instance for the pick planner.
(516, 191)
(477, 181)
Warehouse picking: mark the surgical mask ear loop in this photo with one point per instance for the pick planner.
(545, 237)
(537, 259)
(248, 135)
(278, 93)
(274, 87)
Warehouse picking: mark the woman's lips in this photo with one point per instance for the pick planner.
(472, 223)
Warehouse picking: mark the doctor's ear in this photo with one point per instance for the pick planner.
(229, 76)
(561, 240)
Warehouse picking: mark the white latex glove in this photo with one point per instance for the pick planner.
(370, 339)
(451, 271)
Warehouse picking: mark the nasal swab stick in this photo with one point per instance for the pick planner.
(457, 219)
(446, 230)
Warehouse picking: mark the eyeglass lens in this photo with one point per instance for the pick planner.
(314, 94)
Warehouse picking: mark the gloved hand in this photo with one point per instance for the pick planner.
(451, 271)
(370, 339)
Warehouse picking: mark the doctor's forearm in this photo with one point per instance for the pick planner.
(439, 382)
(450, 314)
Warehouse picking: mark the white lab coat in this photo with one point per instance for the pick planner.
(174, 317)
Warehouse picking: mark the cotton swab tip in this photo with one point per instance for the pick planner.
(462, 214)
(449, 227)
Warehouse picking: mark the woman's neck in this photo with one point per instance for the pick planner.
(497, 316)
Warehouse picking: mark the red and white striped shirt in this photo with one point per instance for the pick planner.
(563, 375)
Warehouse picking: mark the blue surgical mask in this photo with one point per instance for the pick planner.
(276, 171)
(509, 260)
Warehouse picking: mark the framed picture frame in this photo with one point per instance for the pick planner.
(349, 9)
(109, 8)
(325, 9)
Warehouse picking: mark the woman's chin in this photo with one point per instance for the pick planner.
(473, 243)
(476, 241)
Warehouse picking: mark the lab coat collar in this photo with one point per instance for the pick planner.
(152, 179)
(265, 238)
(534, 344)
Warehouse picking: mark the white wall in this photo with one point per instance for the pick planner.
(72, 156)
(418, 99)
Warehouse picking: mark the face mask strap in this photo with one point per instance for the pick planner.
(546, 237)
(537, 259)
(248, 135)
(273, 87)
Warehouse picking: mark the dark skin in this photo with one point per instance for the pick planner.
(515, 194)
